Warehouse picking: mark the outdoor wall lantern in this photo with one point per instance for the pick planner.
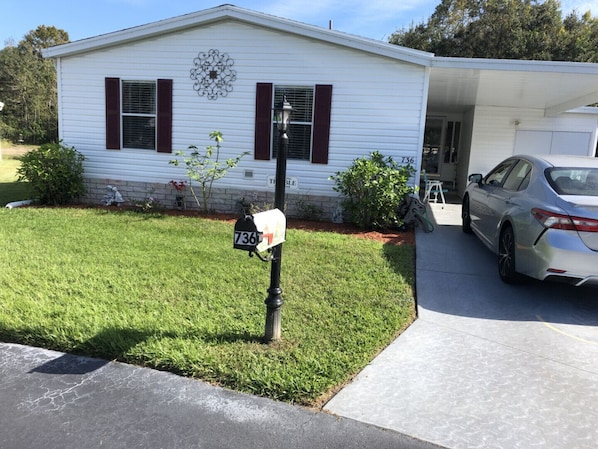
(250, 231)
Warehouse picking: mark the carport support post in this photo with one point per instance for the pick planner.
(274, 300)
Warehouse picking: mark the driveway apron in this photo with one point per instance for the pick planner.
(486, 365)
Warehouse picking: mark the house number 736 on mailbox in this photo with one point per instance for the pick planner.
(247, 238)
(259, 232)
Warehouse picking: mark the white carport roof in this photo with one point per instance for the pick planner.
(457, 84)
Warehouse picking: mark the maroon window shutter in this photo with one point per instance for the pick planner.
(164, 121)
(112, 87)
(321, 131)
(263, 121)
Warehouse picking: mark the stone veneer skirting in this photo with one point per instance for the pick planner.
(224, 200)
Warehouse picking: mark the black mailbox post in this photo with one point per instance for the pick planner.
(266, 230)
(282, 113)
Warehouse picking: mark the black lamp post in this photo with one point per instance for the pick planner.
(282, 115)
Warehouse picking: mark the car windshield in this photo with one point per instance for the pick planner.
(573, 181)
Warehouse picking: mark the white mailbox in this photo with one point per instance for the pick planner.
(261, 231)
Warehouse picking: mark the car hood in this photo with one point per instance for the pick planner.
(582, 206)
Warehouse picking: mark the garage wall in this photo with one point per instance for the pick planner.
(553, 142)
(501, 132)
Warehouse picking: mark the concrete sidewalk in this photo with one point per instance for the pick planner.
(486, 365)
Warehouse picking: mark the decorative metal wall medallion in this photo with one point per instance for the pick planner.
(213, 74)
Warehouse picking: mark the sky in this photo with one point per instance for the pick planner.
(376, 19)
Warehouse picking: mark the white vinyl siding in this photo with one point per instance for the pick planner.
(377, 102)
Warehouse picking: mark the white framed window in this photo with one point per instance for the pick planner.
(300, 129)
(139, 114)
(309, 133)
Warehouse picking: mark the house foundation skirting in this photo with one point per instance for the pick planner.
(224, 200)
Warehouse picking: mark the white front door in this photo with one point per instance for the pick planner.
(433, 137)
(441, 148)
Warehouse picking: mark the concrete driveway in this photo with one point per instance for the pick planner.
(486, 365)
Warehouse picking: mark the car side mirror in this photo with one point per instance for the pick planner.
(476, 177)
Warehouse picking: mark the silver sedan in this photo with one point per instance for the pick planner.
(539, 215)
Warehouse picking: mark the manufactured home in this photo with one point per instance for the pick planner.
(129, 100)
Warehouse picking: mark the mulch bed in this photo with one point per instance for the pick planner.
(392, 237)
(389, 237)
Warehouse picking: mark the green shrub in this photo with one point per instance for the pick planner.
(373, 188)
(309, 211)
(55, 173)
(250, 208)
(149, 204)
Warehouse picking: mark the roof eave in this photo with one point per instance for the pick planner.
(135, 33)
(229, 12)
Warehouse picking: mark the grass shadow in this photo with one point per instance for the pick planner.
(402, 260)
(111, 343)
(70, 364)
(14, 191)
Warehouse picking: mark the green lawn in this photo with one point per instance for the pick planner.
(171, 293)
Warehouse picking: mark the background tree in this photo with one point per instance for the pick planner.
(500, 29)
(28, 87)
(580, 40)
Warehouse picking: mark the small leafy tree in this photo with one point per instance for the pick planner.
(373, 188)
(55, 173)
(28, 87)
(206, 168)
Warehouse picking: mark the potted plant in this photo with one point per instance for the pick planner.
(179, 201)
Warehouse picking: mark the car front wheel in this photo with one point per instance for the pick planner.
(506, 257)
